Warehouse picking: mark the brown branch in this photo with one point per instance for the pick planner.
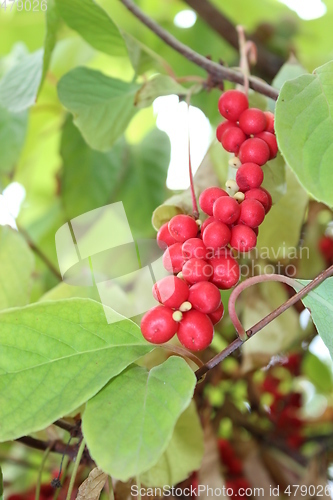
(56, 446)
(268, 63)
(216, 360)
(216, 71)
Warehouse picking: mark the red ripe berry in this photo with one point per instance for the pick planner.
(232, 139)
(252, 121)
(195, 331)
(295, 441)
(232, 103)
(204, 297)
(196, 270)
(252, 213)
(208, 198)
(269, 122)
(223, 127)
(173, 259)
(171, 291)
(216, 235)
(217, 315)
(325, 246)
(260, 195)
(226, 451)
(226, 272)
(254, 150)
(270, 140)
(206, 223)
(226, 210)
(243, 238)
(158, 325)
(235, 467)
(164, 238)
(194, 248)
(183, 227)
(249, 176)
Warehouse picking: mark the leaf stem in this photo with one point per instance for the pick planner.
(111, 491)
(40, 472)
(75, 469)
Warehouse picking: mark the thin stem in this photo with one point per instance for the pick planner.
(246, 284)
(194, 199)
(138, 483)
(63, 424)
(217, 71)
(111, 491)
(65, 466)
(244, 63)
(40, 472)
(216, 360)
(75, 469)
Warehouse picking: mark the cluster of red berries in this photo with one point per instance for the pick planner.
(200, 255)
(236, 482)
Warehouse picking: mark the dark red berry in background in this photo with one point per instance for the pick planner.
(243, 238)
(158, 326)
(195, 331)
(208, 198)
(325, 246)
(269, 122)
(164, 238)
(252, 121)
(252, 213)
(196, 270)
(171, 291)
(249, 176)
(226, 210)
(206, 223)
(223, 127)
(254, 150)
(232, 139)
(232, 103)
(182, 227)
(194, 248)
(173, 259)
(204, 297)
(226, 451)
(226, 272)
(260, 195)
(216, 235)
(217, 315)
(270, 140)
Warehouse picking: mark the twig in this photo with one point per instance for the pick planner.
(75, 469)
(217, 71)
(264, 322)
(41, 470)
(56, 446)
(63, 424)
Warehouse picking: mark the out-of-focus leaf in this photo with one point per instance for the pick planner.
(92, 487)
(318, 373)
(275, 178)
(13, 129)
(52, 25)
(160, 85)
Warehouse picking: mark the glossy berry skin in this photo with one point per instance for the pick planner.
(208, 198)
(226, 210)
(216, 235)
(243, 238)
(171, 291)
(252, 213)
(223, 127)
(182, 227)
(158, 326)
(204, 297)
(206, 223)
(195, 331)
(164, 238)
(252, 121)
(196, 270)
(217, 315)
(254, 150)
(232, 139)
(260, 195)
(249, 176)
(270, 140)
(173, 259)
(226, 272)
(194, 248)
(232, 103)
(269, 122)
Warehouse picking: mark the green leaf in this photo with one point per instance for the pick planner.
(1, 484)
(19, 86)
(160, 85)
(304, 129)
(290, 70)
(320, 303)
(183, 454)
(17, 266)
(52, 26)
(129, 423)
(318, 372)
(54, 356)
(275, 178)
(141, 56)
(13, 129)
(102, 106)
(280, 232)
(93, 24)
